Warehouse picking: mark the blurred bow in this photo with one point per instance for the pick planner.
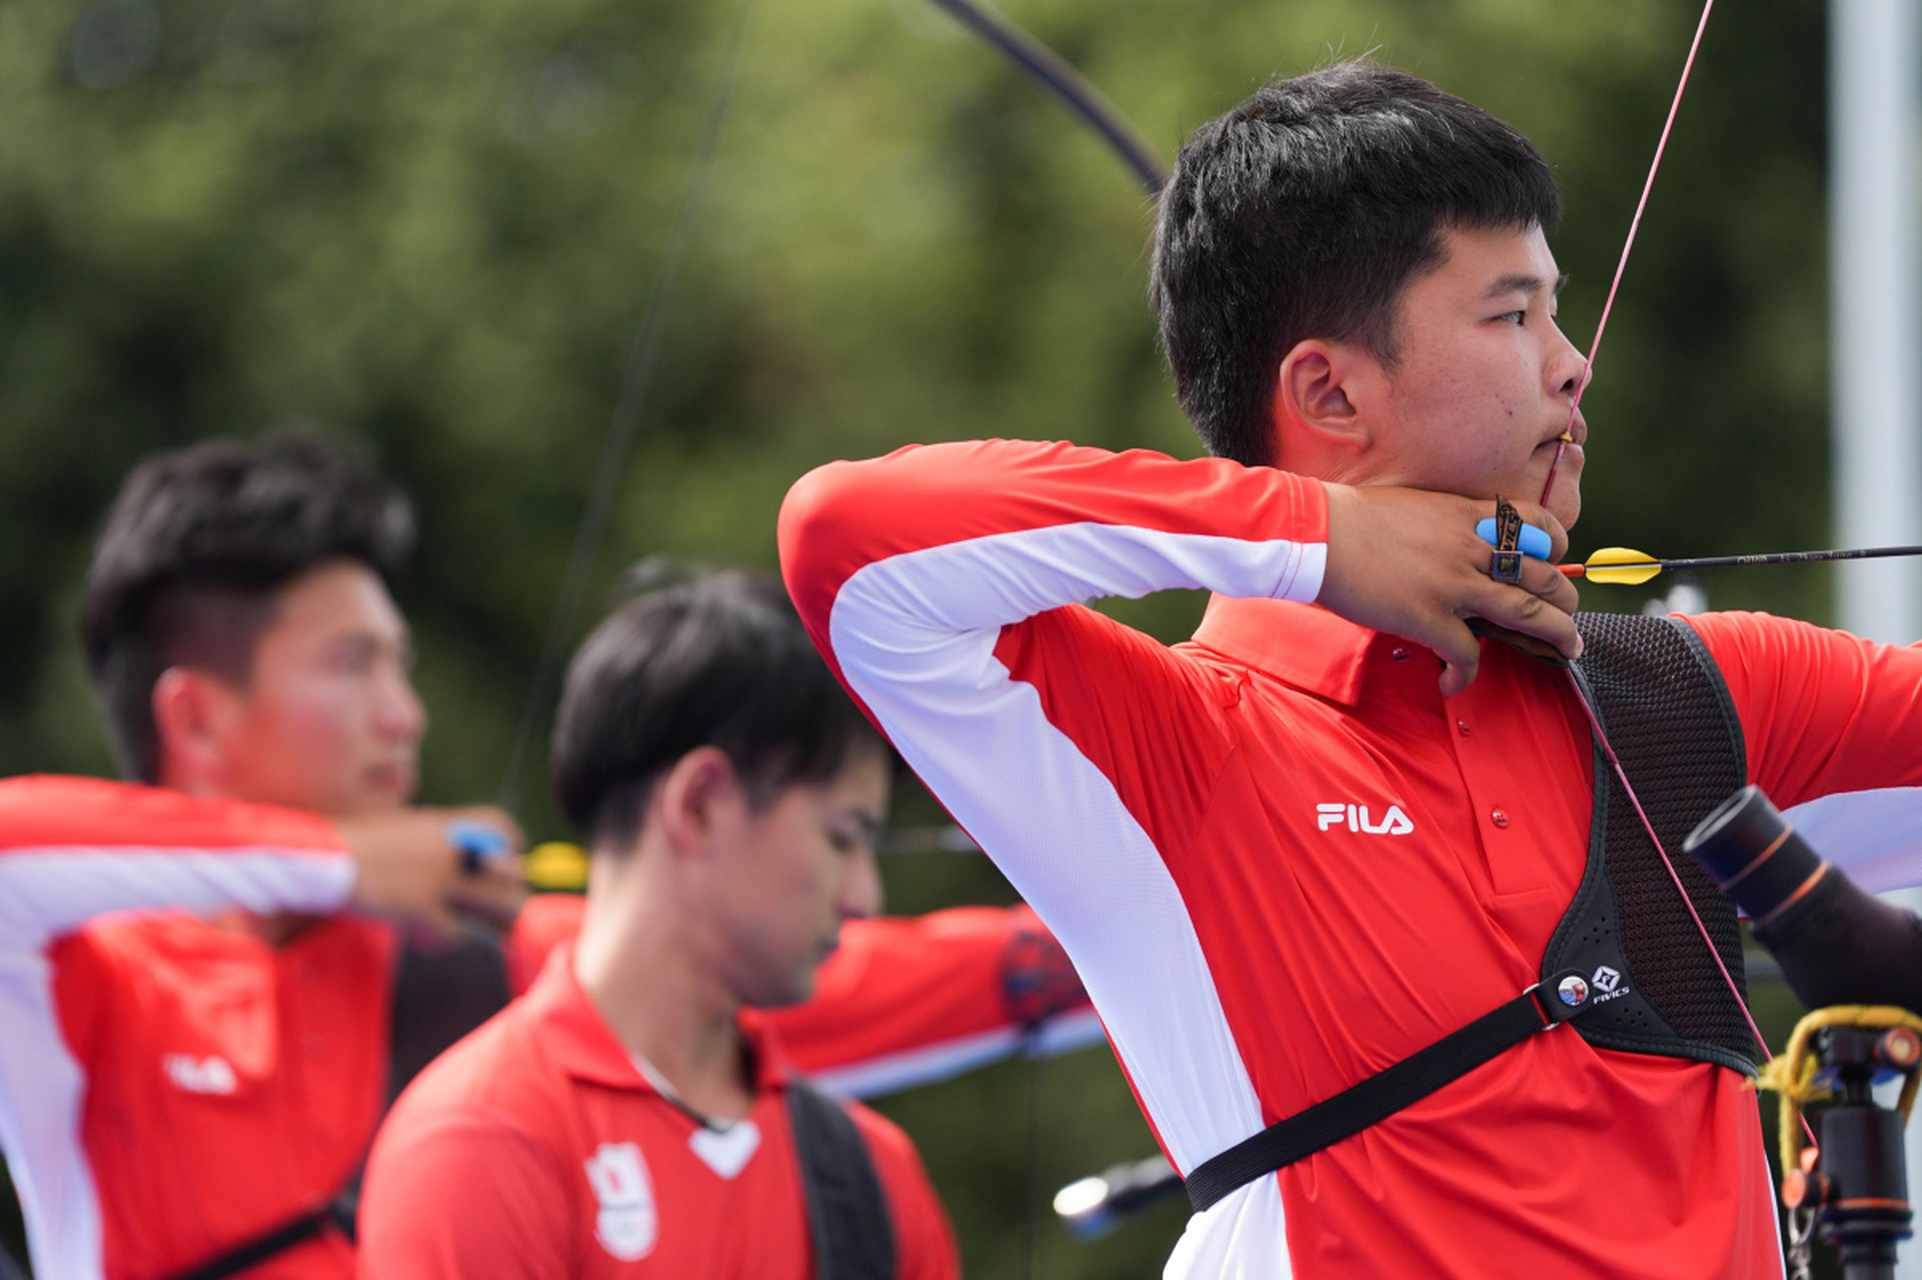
(1065, 83)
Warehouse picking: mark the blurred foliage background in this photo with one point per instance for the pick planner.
(433, 227)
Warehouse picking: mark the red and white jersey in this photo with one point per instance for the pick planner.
(167, 1089)
(1281, 863)
(538, 1144)
(170, 1090)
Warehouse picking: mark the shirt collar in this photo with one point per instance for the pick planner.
(580, 1042)
(1300, 644)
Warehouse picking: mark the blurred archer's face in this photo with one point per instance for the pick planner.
(796, 869)
(328, 720)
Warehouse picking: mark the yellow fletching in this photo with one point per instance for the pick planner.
(557, 868)
(1621, 567)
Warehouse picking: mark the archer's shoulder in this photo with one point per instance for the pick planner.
(56, 810)
(499, 1074)
(1759, 633)
(1773, 656)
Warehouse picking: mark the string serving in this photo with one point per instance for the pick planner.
(1621, 265)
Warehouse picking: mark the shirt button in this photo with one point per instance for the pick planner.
(1400, 653)
(1499, 818)
(1463, 726)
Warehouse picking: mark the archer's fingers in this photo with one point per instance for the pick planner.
(430, 929)
(494, 914)
(1541, 519)
(1520, 610)
(1549, 584)
(492, 897)
(1461, 653)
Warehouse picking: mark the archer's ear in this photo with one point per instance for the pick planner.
(1316, 392)
(192, 712)
(698, 800)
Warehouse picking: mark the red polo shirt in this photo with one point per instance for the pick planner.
(1282, 863)
(537, 1139)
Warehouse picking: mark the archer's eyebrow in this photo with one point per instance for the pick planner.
(1530, 285)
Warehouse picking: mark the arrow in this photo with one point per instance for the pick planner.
(1623, 567)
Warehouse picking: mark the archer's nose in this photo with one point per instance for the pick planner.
(1568, 368)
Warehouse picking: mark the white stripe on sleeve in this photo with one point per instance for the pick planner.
(915, 636)
(47, 892)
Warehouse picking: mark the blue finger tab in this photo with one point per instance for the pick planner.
(476, 843)
(1535, 542)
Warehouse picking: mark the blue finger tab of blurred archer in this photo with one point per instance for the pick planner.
(1535, 542)
(476, 843)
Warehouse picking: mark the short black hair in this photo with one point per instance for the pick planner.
(1304, 213)
(720, 659)
(194, 549)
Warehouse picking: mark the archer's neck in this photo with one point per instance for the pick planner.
(638, 960)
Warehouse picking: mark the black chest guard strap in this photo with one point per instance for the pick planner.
(1626, 965)
(1380, 1095)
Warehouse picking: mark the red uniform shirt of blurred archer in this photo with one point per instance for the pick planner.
(539, 1139)
(169, 1089)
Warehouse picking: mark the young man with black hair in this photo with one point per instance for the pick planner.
(633, 1114)
(172, 1087)
(1298, 851)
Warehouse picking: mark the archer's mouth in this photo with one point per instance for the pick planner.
(1574, 431)
(393, 779)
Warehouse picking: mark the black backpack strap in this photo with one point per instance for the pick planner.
(441, 992)
(1388, 1091)
(849, 1220)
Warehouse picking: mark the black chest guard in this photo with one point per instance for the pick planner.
(1667, 712)
(1626, 949)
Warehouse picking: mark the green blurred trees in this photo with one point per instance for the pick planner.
(433, 225)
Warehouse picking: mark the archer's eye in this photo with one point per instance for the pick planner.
(849, 842)
(1513, 317)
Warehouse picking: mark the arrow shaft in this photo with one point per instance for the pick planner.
(1652, 566)
(1791, 557)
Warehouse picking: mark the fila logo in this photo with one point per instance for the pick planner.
(627, 1223)
(211, 1074)
(1355, 817)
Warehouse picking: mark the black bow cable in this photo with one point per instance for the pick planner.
(624, 424)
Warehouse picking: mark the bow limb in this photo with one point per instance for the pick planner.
(1067, 84)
